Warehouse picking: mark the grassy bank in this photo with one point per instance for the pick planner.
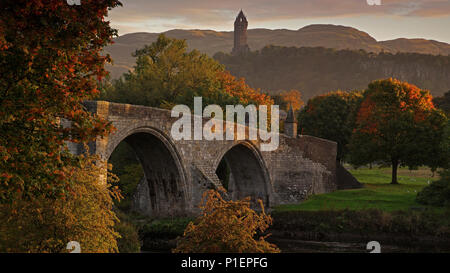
(377, 193)
(379, 211)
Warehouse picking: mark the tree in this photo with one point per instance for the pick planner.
(443, 103)
(227, 227)
(166, 74)
(50, 61)
(331, 116)
(437, 193)
(292, 98)
(285, 99)
(240, 90)
(46, 225)
(397, 124)
(129, 171)
(278, 67)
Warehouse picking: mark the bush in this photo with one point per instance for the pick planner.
(165, 228)
(226, 227)
(437, 193)
(129, 239)
(365, 223)
(46, 225)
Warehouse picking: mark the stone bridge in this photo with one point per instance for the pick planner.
(177, 172)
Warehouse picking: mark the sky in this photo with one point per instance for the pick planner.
(429, 19)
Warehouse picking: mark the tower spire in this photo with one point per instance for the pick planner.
(290, 124)
(240, 34)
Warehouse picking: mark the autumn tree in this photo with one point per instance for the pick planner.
(292, 98)
(226, 227)
(167, 74)
(237, 88)
(50, 56)
(331, 116)
(397, 124)
(50, 62)
(84, 215)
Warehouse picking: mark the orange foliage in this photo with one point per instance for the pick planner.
(84, 214)
(366, 110)
(293, 98)
(51, 56)
(227, 227)
(397, 97)
(238, 88)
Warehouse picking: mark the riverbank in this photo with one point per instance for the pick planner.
(403, 231)
(332, 231)
(343, 221)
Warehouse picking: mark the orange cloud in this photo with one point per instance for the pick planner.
(216, 13)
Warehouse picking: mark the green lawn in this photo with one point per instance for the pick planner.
(377, 192)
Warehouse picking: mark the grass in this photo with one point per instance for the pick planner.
(377, 192)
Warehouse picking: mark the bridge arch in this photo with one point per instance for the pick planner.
(242, 169)
(164, 190)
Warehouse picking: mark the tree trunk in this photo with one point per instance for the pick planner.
(394, 171)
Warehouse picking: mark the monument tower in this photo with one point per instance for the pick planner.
(240, 35)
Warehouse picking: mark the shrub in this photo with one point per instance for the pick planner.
(129, 239)
(47, 225)
(366, 223)
(226, 227)
(437, 193)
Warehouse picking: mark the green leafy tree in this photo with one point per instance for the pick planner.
(443, 103)
(397, 124)
(129, 171)
(437, 193)
(331, 116)
(167, 74)
(277, 67)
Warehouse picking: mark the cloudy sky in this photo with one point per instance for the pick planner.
(428, 19)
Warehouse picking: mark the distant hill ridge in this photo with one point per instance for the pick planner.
(329, 36)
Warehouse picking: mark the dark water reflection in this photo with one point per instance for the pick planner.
(288, 245)
(299, 246)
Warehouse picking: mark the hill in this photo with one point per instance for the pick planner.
(317, 70)
(329, 36)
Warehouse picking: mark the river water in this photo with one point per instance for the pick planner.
(300, 246)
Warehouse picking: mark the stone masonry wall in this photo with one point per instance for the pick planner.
(299, 167)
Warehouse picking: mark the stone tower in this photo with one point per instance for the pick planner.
(290, 124)
(240, 35)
